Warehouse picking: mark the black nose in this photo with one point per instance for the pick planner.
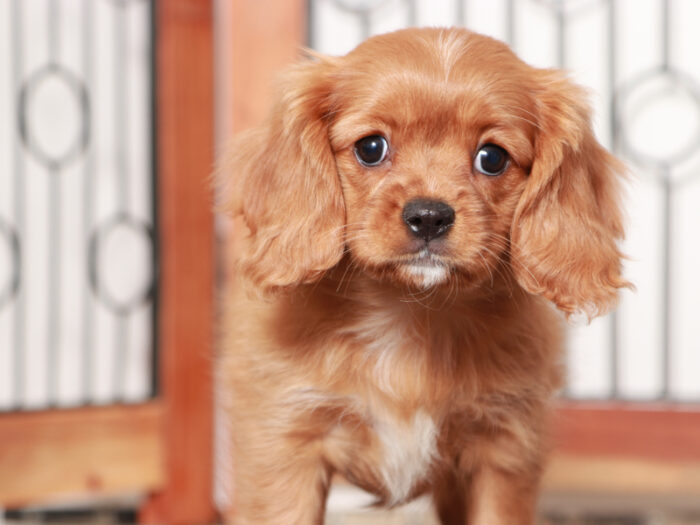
(428, 219)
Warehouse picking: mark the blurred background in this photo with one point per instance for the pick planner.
(112, 113)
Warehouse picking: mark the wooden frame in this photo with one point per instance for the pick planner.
(185, 106)
(276, 30)
(626, 449)
(163, 447)
(662, 432)
(51, 454)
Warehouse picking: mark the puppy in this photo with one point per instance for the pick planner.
(412, 210)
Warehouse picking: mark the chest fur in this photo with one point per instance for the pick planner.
(406, 451)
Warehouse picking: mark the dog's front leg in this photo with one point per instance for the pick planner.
(274, 486)
(451, 497)
(501, 497)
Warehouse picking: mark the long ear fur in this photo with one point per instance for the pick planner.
(567, 223)
(283, 181)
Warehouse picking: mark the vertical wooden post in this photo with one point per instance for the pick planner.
(257, 39)
(264, 37)
(185, 153)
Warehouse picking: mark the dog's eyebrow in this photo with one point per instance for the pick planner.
(347, 131)
(513, 139)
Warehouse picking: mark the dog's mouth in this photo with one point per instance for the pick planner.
(427, 268)
(425, 258)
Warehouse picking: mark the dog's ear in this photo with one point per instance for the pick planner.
(282, 179)
(567, 222)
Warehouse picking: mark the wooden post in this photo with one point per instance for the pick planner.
(184, 102)
(257, 39)
(264, 37)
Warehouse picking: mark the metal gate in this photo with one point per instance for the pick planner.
(78, 242)
(639, 57)
(106, 253)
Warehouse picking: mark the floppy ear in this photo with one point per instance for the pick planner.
(284, 183)
(567, 223)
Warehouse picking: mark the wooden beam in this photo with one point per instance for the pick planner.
(265, 36)
(185, 108)
(656, 432)
(53, 454)
(257, 40)
(625, 450)
(616, 477)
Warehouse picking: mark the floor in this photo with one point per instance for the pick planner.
(396, 517)
(349, 506)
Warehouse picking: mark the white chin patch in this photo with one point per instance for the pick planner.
(428, 274)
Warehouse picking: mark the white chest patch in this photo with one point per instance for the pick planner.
(409, 448)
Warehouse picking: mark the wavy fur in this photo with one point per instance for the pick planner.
(404, 365)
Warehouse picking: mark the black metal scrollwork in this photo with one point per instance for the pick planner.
(99, 236)
(9, 286)
(79, 91)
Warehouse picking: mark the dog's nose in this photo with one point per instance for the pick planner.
(428, 219)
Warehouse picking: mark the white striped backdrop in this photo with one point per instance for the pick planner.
(640, 57)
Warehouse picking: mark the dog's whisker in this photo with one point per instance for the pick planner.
(493, 236)
(342, 277)
(487, 267)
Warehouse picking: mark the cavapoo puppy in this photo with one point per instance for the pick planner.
(415, 212)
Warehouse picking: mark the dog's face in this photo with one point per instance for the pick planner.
(433, 146)
(432, 157)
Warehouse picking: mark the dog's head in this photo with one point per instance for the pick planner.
(431, 157)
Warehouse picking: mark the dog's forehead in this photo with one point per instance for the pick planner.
(441, 54)
(432, 79)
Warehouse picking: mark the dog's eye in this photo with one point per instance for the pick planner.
(371, 151)
(491, 160)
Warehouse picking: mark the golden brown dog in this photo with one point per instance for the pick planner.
(413, 209)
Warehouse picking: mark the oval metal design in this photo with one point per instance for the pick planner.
(98, 238)
(570, 7)
(678, 85)
(359, 6)
(8, 291)
(28, 93)
(128, 3)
